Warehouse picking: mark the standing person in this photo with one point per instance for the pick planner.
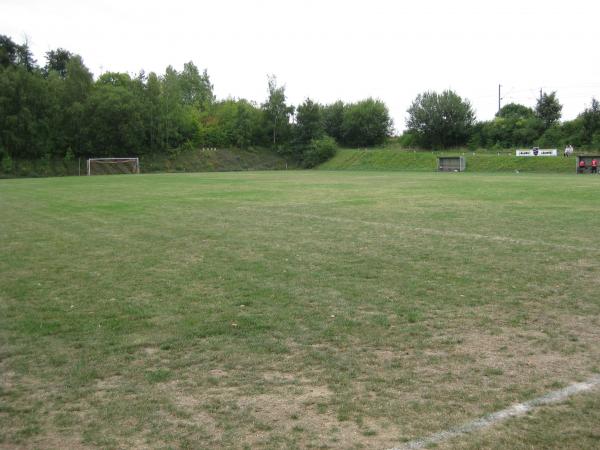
(581, 166)
(594, 165)
(566, 152)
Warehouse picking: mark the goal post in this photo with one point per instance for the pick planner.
(112, 166)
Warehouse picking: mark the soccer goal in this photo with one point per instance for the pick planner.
(112, 166)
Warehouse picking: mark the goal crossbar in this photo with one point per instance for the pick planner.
(113, 165)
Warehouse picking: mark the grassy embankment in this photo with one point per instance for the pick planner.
(397, 159)
(197, 160)
(229, 160)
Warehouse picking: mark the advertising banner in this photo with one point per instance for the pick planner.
(538, 152)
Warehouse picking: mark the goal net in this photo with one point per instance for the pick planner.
(112, 166)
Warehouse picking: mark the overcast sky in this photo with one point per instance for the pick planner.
(329, 50)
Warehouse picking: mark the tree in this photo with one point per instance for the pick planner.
(78, 80)
(25, 57)
(548, 109)
(8, 51)
(57, 60)
(277, 113)
(242, 125)
(514, 125)
(12, 54)
(333, 120)
(152, 100)
(196, 89)
(515, 110)
(231, 122)
(68, 95)
(115, 117)
(309, 122)
(590, 118)
(247, 124)
(366, 123)
(24, 113)
(171, 107)
(440, 120)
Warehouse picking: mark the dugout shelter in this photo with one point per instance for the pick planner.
(451, 163)
(588, 163)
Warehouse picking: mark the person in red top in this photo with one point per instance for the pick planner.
(594, 165)
(581, 166)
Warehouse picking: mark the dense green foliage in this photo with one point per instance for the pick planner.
(518, 126)
(514, 126)
(548, 109)
(319, 150)
(277, 113)
(439, 121)
(309, 122)
(362, 124)
(311, 141)
(365, 123)
(60, 111)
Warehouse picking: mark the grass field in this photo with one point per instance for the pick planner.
(307, 309)
(387, 159)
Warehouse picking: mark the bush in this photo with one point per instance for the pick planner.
(319, 151)
(7, 163)
(69, 155)
(552, 138)
(407, 140)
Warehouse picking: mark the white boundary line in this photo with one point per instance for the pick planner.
(431, 231)
(517, 410)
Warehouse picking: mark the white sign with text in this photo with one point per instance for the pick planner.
(538, 152)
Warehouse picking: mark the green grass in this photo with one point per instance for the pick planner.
(292, 309)
(480, 161)
(574, 424)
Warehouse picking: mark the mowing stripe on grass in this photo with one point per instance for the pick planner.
(517, 410)
(432, 231)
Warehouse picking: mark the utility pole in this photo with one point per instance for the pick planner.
(540, 93)
(499, 98)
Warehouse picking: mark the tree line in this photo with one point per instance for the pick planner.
(437, 121)
(58, 110)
